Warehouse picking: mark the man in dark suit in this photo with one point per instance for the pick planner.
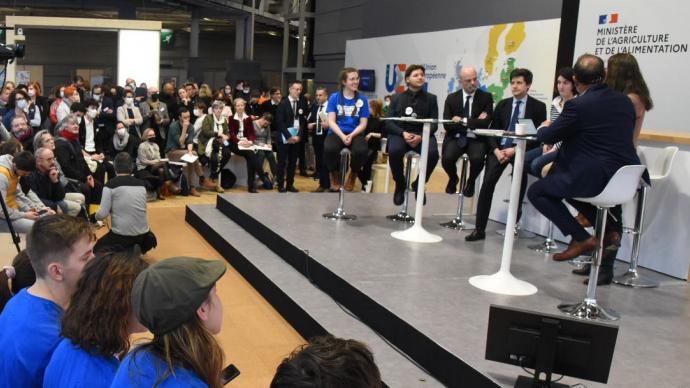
(469, 108)
(502, 150)
(291, 113)
(269, 106)
(597, 133)
(318, 129)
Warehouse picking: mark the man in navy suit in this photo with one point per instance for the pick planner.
(318, 129)
(597, 133)
(291, 113)
(502, 150)
(469, 107)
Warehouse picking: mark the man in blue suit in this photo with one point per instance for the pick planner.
(597, 133)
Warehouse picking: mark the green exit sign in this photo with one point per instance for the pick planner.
(167, 38)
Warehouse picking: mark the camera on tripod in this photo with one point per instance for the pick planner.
(8, 53)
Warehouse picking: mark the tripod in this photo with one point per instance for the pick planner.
(15, 235)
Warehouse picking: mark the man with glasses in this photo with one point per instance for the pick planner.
(45, 182)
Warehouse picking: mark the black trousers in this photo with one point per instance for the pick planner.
(365, 173)
(287, 160)
(548, 199)
(492, 174)
(153, 176)
(451, 152)
(358, 149)
(113, 242)
(252, 160)
(220, 154)
(397, 147)
(321, 170)
(272, 164)
(302, 156)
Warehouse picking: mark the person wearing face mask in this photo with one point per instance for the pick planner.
(386, 104)
(214, 142)
(121, 141)
(105, 120)
(130, 114)
(168, 97)
(198, 109)
(20, 104)
(35, 93)
(151, 168)
(57, 102)
(155, 115)
(70, 97)
(94, 142)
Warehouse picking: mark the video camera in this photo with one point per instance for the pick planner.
(11, 51)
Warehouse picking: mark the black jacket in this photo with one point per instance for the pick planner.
(534, 109)
(50, 193)
(101, 136)
(71, 159)
(454, 106)
(285, 117)
(421, 104)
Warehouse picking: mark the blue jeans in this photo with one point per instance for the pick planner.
(535, 160)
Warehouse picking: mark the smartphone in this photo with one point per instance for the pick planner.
(229, 373)
(42, 212)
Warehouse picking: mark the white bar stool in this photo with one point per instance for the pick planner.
(402, 215)
(339, 213)
(659, 172)
(621, 188)
(458, 223)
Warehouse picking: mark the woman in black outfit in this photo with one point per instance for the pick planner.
(374, 133)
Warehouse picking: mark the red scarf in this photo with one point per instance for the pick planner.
(69, 135)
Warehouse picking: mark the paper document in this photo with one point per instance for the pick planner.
(189, 158)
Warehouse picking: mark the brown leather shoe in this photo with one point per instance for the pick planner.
(350, 183)
(193, 192)
(582, 220)
(335, 180)
(575, 249)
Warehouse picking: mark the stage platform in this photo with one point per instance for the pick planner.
(417, 296)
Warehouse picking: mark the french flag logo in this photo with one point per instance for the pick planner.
(611, 18)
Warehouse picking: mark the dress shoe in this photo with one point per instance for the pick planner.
(399, 195)
(335, 180)
(208, 184)
(452, 185)
(468, 191)
(292, 189)
(584, 271)
(582, 220)
(476, 235)
(252, 190)
(350, 182)
(605, 276)
(193, 192)
(282, 190)
(575, 249)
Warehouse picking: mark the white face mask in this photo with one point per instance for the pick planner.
(197, 112)
(22, 104)
(92, 113)
(129, 100)
(121, 132)
(97, 97)
(31, 92)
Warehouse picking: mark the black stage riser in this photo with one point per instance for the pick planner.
(440, 363)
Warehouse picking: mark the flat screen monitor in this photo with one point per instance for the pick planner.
(367, 80)
(550, 344)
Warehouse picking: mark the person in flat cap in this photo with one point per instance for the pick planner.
(176, 300)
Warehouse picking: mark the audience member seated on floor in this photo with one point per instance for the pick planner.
(45, 182)
(130, 115)
(329, 362)
(151, 169)
(71, 158)
(70, 96)
(21, 131)
(124, 199)
(23, 211)
(214, 141)
(596, 129)
(348, 112)
(176, 300)
(59, 247)
(502, 150)
(372, 135)
(242, 134)
(13, 278)
(180, 143)
(97, 324)
(262, 131)
(75, 191)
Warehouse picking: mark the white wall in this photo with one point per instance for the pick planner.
(138, 56)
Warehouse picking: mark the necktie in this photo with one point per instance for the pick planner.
(513, 121)
(318, 120)
(294, 109)
(466, 108)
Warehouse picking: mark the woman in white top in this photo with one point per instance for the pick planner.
(130, 115)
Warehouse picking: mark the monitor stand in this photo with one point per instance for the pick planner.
(544, 358)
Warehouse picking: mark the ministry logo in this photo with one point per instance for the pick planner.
(608, 19)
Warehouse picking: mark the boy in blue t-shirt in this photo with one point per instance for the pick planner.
(59, 247)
